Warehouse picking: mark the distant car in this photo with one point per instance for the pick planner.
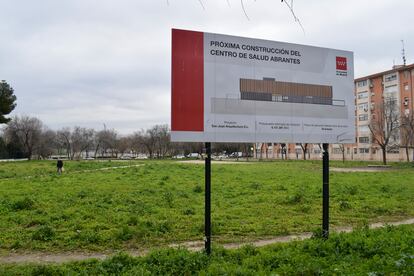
(222, 156)
(141, 156)
(88, 158)
(193, 155)
(125, 157)
(179, 156)
(236, 154)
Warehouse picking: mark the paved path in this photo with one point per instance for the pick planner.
(45, 257)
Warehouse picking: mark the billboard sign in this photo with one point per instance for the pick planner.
(236, 89)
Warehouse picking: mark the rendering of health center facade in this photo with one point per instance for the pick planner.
(371, 92)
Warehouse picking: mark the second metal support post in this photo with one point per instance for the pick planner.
(325, 192)
(207, 192)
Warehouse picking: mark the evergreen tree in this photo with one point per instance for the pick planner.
(7, 101)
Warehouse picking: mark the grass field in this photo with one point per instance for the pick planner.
(387, 251)
(154, 203)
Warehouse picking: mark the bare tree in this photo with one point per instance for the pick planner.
(385, 125)
(82, 140)
(123, 144)
(407, 134)
(137, 143)
(27, 130)
(149, 141)
(342, 149)
(163, 140)
(63, 140)
(47, 144)
(283, 151)
(304, 149)
(107, 139)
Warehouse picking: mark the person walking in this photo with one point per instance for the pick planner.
(59, 166)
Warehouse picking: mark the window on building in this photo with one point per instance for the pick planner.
(406, 87)
(363, 117)
(391, 89)
(390, 77)
(363, 95)
(363, 129)
(363, 107)
(406, 74)
(363, 150)
(355, 150)
(406, 112)
(392, 100)
(276, 98)
(363, 140)
(393, 150)
(405, 101)
(362, 83)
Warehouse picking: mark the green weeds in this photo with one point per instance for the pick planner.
(387, 251)
(162, 202)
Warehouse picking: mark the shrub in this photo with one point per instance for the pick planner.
(298, 197)
(168, 198)
(197, 189)
(255, 186)
(124, 234)
(82, 194)
(189, 212)
(352, 190)
(133, 221)
(43, 233)
(89, 236)
(23, 204)
(344, 205)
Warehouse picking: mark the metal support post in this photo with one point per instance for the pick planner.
(325, 192)
(207, 213)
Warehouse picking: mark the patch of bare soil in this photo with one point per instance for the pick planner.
(202, 162)
(364, 169)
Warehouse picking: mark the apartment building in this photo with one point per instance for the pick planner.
(371, 92)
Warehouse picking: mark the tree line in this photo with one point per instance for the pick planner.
(28, 137)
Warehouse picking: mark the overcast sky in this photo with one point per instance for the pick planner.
(90, 62)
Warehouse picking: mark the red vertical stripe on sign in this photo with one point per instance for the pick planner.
(187, 81)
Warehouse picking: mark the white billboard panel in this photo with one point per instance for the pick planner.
(236, 89)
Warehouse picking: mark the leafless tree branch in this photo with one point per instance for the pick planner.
(290, 7)
(202, 5)
(244, 10)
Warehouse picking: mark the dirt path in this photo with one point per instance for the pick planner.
(367, 169)
(45, 257)
(216, 162)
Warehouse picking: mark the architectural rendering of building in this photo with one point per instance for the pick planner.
(277, 91)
